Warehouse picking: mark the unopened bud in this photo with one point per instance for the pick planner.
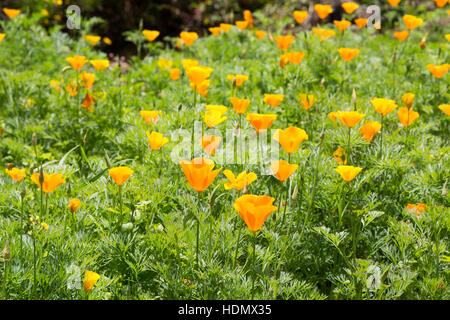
(23, 193)
(69, 190)
(354, 96)
(423, 43)
(108, 162)
(65, 69)
(31, 169)
(6, 252)
(444, 191)
(41, 176)
(10, 165)
(127, 226)
(295, 194)
(85, 138)
(245, 190)
(34, 139)
(322, 82)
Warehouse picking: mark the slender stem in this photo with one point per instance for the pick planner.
(237, 247)
(253, 264)
(381, 137)
(348, 145)
(198, 230)
(121, 205)
(34, 265)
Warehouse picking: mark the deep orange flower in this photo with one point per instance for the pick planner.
(260, 34)
(199, 173)
(383, 106)
(16, 174)
(156, 140)
(411, 21)
(440, 3)
(284, 60)
(150, 35)
(88, 79)
(291, 138)
(261, 122)
(174, 73)
(120, 174)
(300, 16)
(370, 129)
(238, 79)
(348, 54)
(393, 3)
(349, 118)
(284, 42)
(198, 74)
(401, 35)
(51, 181)
(71, 88)
(348, 173)
(349, 7)
(225, 27)
(99, 64)
(77, 62)
(215, 30)
(11, 13)
(445, 108)
(74, 204)
(242, 25)
(407, 116)
(295, 57)
(188, 37)
(361, 22)
(150, 116)
(240, 105)
(307, 101)
(283, 169)
(254, 210)
(88, 102)
(342, 24)
(273, 99)
(438, 70)
(210, 144)
(201, 88)
(90, 279)
(416, 209)
(323, 10)
(240, 181)
(248, 17)
(408, 99)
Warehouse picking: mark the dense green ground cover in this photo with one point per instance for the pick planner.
(301, 252)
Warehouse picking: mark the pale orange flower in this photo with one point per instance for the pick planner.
(348, 54)
(93, 40)
(11, 13)
(401, 35)
(273, 99)
(383, 106)
(254, 210)
(239, 105)
(295, 57)
(174, 73)
(16, 174)
(261, 122)
(407, 116)
(440, 3)
(242, 25)
(225, 27)
(438, 70)
(349, 118)
(199, 173)
(88, 79)
(88, 102)
(260, 34)
(100, 64)
(284, 42)
(291, 138)
(215, 30)
(248, 17)
(323, 34)
(238, 78)
(51, 181)
(283, 169)
(150, 116)
(77, 62)
(210, 144)
(240, 181)
(156, 140)
(120, 174)
(408, 99)
(307, 101)
(300, 16)
(445, 108)
(188, 37)
(74, 204)
(393, 3)
(90, 279)
(370, 129)
(348, 173)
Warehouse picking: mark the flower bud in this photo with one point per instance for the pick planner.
(41, 177)
(295, 194)
(6, 252)
(127, 226)
(34, 139)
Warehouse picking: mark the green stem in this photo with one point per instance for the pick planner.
(253, 264)
(121, 205)
(236, 250)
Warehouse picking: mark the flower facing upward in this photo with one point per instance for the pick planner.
(440, 3)
(210, 144)
(199, 173)
(295, 57)
(416, 209)
(408, 99)
(238, 79)
(284, 42)
(239, 105)
(261, 122)
(198, 74)
(273, 100)
(74, 204)
(240, 181)
(300, 16)
(156, 140)
(349, 118)
(88, 79)
(323, 34)
(11, 13)
(90, 279)
(150, 116)
(174, 73)
(215, 30)
(283, 169)
(283, 60)
(100, 64)
(242, 25)
(248, 17)
(307, 101)
(201, 88)
(407, 116)
(214, 115)
(77, 62)
(225, 27)
(445, 108)
(16, 174)
(438, 70)
(342, 24)
(260, 34)
(2, 36)
(188, 37)
(323, 10)
(189, 63)
(120, 174)
(348, 54)
(393, 3)
(361, 22)
(150, 35)
(370, 129)
(383, 106)
(401, 35)
(93, 40)
(349, 7)
(348, 173)
(164, 64)
(291, 138)
(51, 181)
(88, 102)
(254, 210)
(411, 21)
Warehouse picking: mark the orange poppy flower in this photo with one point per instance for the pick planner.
(238, 79)
(342, 24)
(260, 34)
(323, 10)
(383, 106)
(215, 30)
(99, 64)
(348, 173)
(210, 144)
(349, 118)
(201, 88)
(440, 3)
(295, 57)
(291, 138)
(51, 181)
(225, 27)
(88, 79)
(447, 36)
(88, 102)
(300, 16)
(348, 54)
(361, 22)
(199, 173)
(393, 3)
(77, 62)
(416, 209)
(198, 74)
(248, 17)
(71, 89)
(164, 64)
(90, 279)
(349, 7)
(189, 63)
(214, 115)
(93, 40)
(438, 70)
(240, 181)
(284, 60)
(445, 108)
(261, 122)
(2, 36)
(323, 34)
(120, 174)
(307, 101)
(273, 99)
(283, 169)
(254, 210)
(284, 42)
(11, 13)
(150, 117)
(156, 140)
(411, 21)
(174, 74)
(74, 204)
(239, 105)
(16, 174)
(370, 129)
(401, 35)
(188, 37)
(242, 25)
(150, 35)
(408, 99)
(407, 116)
